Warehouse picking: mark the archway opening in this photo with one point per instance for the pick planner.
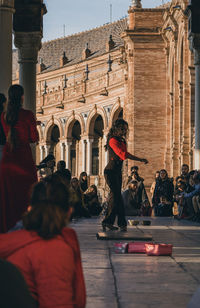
(97, 145)
(53, 140)
(74, 152)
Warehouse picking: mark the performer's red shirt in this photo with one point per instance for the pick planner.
(119, 147)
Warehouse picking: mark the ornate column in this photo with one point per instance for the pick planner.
(46, 149)
(77, 158)
(29, 44)
(62, 150)
(100, 143)
(84, 154)
(6, 12)
(89, 156)
(67, 153)
(106, 152)
(41, 152)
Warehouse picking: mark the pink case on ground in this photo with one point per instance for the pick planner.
(159, 249)
(120, 247)
(137, 247)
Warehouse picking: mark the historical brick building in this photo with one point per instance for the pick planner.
(138, 68)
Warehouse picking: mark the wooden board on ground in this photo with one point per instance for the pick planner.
(129, 235)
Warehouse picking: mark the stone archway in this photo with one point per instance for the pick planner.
(53, 137)
(75, 148)
(96, 132)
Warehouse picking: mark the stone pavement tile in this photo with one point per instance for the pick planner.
(149, 278)
(98, 260)
(154, 300)
(192, 269)
(128, 285)
(99, 282)
(101, 302)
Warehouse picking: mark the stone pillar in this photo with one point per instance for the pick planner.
(46, 149)
(77, 159)
(89, 156)
(83, 154)
(106, 152)
(67, 153)
(41, 152)
(197, 109)
(62, 151)
(29, 44)
(6, 12)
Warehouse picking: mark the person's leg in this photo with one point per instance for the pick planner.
(119, 201)
(110, 180)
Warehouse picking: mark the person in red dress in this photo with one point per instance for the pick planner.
(17, 168)
(116, 145)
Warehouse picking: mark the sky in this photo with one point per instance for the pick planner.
(66, 17)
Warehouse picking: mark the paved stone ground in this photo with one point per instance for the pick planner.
(136, 280)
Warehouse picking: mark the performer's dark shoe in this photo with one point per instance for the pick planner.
(123, 228)
(108, 226)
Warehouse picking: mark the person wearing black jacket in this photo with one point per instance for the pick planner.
(164, 188)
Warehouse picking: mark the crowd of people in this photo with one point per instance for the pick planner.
(38, 202)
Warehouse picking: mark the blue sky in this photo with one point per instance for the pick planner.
(81, 15)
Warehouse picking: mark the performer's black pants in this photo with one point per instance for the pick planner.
(113, 178)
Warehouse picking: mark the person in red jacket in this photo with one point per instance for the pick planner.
(116, 145)
(47, 253)
(17, 168)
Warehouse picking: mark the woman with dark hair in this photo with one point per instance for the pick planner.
(164, 188)
(47, 252)
(116, 145)
(17, 169)
(2, 135)
(83, 182)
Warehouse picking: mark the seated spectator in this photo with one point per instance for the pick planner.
(146, 208)
(47, 253)
(180, 189)
(61, 165)
(79, 208)
(46, 166)
(91, 201)
(13, 288)
(132, 204)
(188, 196)
(164, 207)
(83, 181)
(63, 173)
(164, 187)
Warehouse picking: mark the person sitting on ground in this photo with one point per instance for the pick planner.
(181, 187)
(64, 173)
(131, 200)
(79, 207)
(164, 187)
(46, 166)
(146, 209)
(189, 196)
(83, 181)
(141, 191)
(91, 201)
(47, 252)
(164, 208)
